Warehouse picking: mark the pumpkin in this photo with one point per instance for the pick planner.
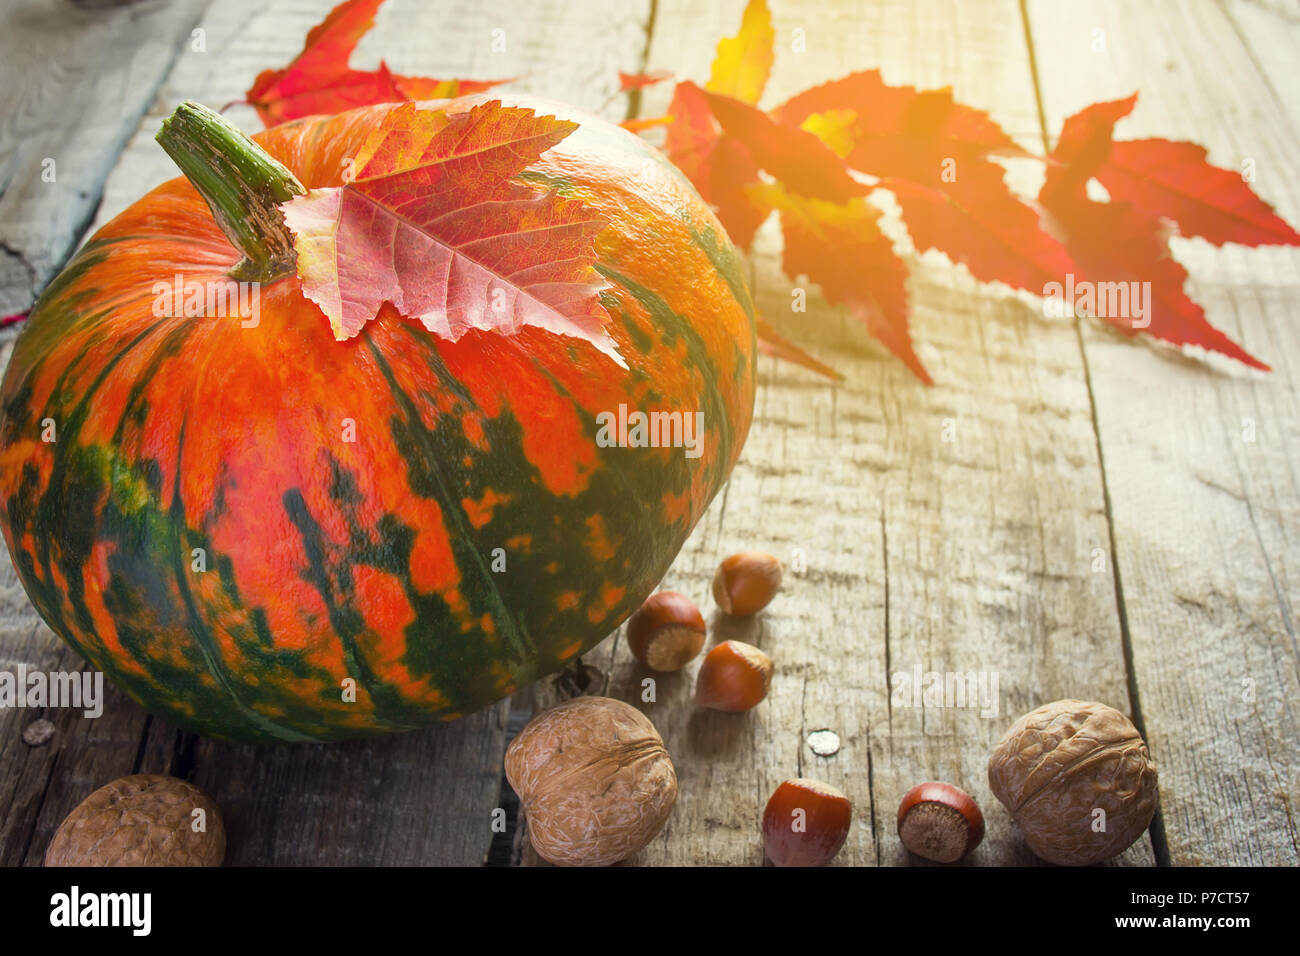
(263, 533)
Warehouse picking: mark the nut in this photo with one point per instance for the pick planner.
(745, 583)
(734, 677)
(1078, 779)
(666, 632)
(594, 779)
(805, 823)
(939, 822)
(142, 820)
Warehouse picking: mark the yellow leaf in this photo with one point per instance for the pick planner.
(834, 128)
(744, 62)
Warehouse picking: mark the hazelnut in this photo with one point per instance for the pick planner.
(142, 820)
(1077, 778)
(805, 823)
(745, 583)
(666, 632)
(939, 822)
(734, 677)
(594, 779)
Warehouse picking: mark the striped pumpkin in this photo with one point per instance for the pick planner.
(245, 528)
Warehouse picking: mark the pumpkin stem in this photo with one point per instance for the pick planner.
(242, 184)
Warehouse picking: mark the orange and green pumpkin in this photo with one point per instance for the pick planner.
(239, 524)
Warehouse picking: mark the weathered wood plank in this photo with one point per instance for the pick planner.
(553, 48)
(423, 798)
(965, 555)
(77, 79)
(1200, 456)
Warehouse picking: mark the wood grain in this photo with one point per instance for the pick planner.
(949, 529)
(970, 555)
(77, 80)
(1207, 521)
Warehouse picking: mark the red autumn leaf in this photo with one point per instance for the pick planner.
(637, 81)
(1163, 178)
(732, 173)
(1173, 179)
(319, 80)
(434, 223)
(1117, 243)
(719, 166)
(841, 248)
(771, 342)
(1082, 148)
(933, 154)
(1118, 246)
(802, 162)
(977, 221)
(693, 134)
(929, 151)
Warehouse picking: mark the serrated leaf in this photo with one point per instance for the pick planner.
(977, 221)
(639, 81)
(1174, 180)
(1116, 242)
(434, 224)
(719, 166)
(319, 80)
(843, 250)
(803, 163)
(773, 343)
(899, 131)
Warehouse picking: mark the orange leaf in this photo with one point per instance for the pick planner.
(423, 88)
(841, 248)
(434, 223)
(773, 343)
(803, 163)
(641, 125)
(637, 81)
(744, 62)
(719, 166)
(900, 131)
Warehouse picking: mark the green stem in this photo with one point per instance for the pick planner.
(242, 184)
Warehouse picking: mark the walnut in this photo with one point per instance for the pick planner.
(594, 779)
(1077, 778)
(142, 820)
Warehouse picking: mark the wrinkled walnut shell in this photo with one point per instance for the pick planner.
(1060, 763)
(594, 779)
(142, 820)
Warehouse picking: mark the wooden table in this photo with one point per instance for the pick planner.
(1075, 514)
